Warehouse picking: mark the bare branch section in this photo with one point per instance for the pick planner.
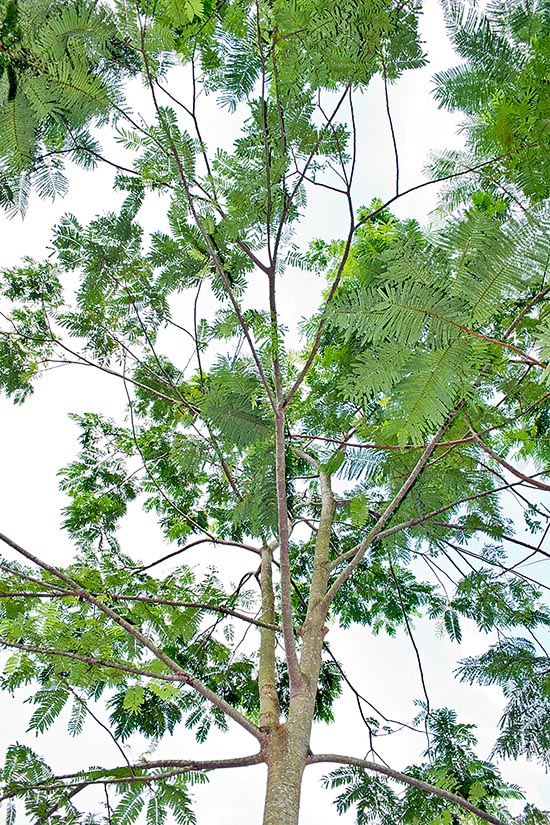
(530, 480)
(406, 780)
(267, 674)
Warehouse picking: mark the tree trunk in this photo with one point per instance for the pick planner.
(287, 756)
(285, 769)
(288, 744)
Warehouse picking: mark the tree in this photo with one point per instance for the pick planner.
(415, 412)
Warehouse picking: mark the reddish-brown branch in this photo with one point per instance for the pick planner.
(209, 539)
(319, 334)
(540, 485)
(538, 297)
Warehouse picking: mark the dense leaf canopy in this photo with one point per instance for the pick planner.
(370, 473)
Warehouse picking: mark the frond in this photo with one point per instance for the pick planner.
(486, 266)
(234, 403)
(241, 68)
(17, 136)
(424, 398)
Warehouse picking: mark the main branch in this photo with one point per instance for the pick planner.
(392, 506)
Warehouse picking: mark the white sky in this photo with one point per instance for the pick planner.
(37, 439)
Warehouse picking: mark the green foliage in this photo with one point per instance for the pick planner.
(452, 765)
(32, 290)
(98, 484)
(407, 311)
(418, 393)
(524, 679)
(60, 70)
(235, 404)
(487, 599)
(381, 596)
(374, 798)
(501, 88)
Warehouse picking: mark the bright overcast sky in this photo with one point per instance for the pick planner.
(37, 439)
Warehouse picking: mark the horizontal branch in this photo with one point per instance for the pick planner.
(102, 778)
(209, 608)
(406, 780)
(212, 608)
(204, 765)
(209, 538)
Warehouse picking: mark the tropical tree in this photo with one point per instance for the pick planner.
(369, 475)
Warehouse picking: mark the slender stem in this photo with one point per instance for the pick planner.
(96, 719)
(392, 130)
(211, 539)
(476, 167)
(415, 648)
(204, 234)
(462, 552)
(267, 676)
(265, 138)
(360, 698)
(320, 327)
(289, 199)
(287, 618)
(540, 485)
